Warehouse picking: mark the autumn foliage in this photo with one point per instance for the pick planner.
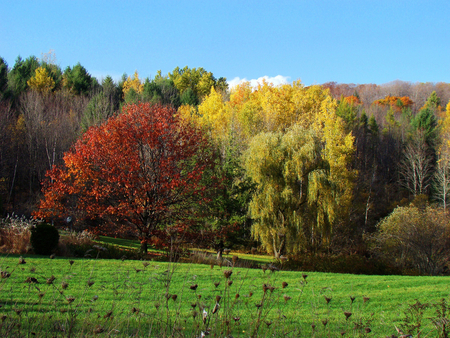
(396, 102)
(138, 170)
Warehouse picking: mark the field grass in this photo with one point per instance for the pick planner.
(156, 299)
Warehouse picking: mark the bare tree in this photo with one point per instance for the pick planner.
(416, 167)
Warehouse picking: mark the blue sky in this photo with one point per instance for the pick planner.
(365, 41)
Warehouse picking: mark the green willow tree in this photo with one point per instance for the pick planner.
(299, 192)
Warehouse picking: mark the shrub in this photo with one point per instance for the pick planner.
(415, 238)
(44, 238)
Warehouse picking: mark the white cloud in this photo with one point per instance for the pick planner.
(276, 80)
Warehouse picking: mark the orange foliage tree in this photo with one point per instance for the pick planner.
(352, 100)
(396, 102)
(139, 170)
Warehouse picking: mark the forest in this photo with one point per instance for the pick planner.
(293, 170)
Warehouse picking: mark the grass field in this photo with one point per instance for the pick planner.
(155, 299)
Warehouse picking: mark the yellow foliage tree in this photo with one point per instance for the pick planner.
(133, 83)
(41, 81)
(288, 130)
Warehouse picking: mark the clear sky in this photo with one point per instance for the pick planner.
(364, 41)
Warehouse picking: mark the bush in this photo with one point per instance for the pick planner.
(415, 238)
(44, 238)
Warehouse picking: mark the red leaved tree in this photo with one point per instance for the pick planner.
(139, 170)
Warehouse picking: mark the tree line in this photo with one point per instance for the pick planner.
(290, 168)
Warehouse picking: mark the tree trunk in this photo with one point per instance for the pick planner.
(144, 246)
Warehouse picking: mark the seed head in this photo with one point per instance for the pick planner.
(218, 298)
(71, 262)
(174, 297)
(347, 315)
(327, 299)
(227, 273)
(324, 322)
(193, 287)
(286, 298)
(216, 308)
(284, 284)
(98, 329)
(216, 284)
(230, 282)
(366, 299)
(352, 299)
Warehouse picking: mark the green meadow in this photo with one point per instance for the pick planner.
(65, 297)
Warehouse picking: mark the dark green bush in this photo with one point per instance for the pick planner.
(44, 238)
